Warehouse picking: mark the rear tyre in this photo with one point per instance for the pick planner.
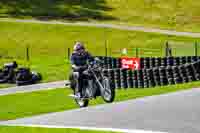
(108, 92)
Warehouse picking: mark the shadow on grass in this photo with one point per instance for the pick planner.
(82, 10)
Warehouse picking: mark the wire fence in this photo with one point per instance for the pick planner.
(25, 48)
(170, 48)
(184, 49)
(27, 52)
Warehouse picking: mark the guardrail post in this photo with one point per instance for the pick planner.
(106, 49)
(136, 52)
(196, 49)
(27, 53)
(166, 49)
(110, 52)
(68, 53)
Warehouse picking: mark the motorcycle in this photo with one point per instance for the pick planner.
(98, 85)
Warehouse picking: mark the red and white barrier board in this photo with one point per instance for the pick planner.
(130, 63)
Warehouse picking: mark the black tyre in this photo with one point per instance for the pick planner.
(117, 79)
(152, 62)
(36, 77)
(129, 78)
(123, 78)
(157, 62)
(164, 61)
(176, 61)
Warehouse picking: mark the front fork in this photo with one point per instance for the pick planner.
(98, 82)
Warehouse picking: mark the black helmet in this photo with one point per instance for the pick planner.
(79, 46)
(11, 65)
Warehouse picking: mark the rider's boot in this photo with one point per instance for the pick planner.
(78, 95)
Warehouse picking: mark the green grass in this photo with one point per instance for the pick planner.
(29, 104)
(172, 14)
(18, 129)
(6, 85)
(48, 45)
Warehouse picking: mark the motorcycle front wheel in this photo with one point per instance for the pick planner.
(107, 92)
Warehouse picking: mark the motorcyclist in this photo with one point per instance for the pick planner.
(79, 60)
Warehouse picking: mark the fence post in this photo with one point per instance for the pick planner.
(196, 48)
(27, 53)
(68, 53)
(106, 49)
(136, 52)
(167, 49)
(105, 41)
(110, 52)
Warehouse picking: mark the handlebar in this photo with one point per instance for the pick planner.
(96, 64)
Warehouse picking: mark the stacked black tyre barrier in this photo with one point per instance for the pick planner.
(172, 70)
(152, 62)
(163, 76)
(135, 80)
(117, 78)
(111, 74)
(196, 70)
(145, 78)
(123, 78)
(156, 76)
(140, 79)
(150, 77)
(169, 75)
(20, 76)
(176, 61)
(129, 78)
(146, 62)
(7, 73)
(25, 77)
(149, 62)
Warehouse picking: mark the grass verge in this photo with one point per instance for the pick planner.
(2, 86)
(29, 104)
(18, 129)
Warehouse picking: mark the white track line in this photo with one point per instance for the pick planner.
(89, 128)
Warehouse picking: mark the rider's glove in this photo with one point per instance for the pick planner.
(79, 68)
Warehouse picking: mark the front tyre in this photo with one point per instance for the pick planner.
(107, 92)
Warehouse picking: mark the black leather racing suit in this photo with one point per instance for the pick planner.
(79, 63)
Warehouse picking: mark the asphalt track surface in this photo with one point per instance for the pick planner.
(34, 87)
(177, 112)
(102, 25)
